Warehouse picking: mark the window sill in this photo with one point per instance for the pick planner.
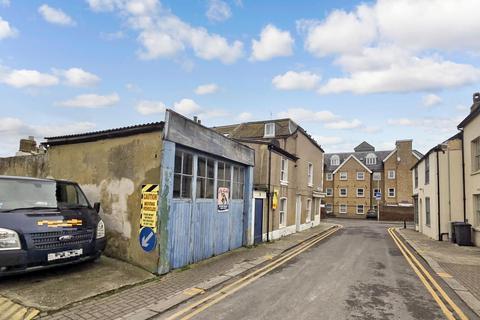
(281, 227)
(360, 196)
(284, 183)
(310, 185)
(475, 173)
(476, 229)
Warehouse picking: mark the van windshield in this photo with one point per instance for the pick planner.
(29, 194)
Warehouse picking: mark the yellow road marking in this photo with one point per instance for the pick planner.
(444, 275)
(246, 280)
(193, 291)
(12, 311)
(414, 263)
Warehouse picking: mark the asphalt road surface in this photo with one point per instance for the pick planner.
(357, 273)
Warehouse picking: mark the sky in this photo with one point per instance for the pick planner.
(346, 71)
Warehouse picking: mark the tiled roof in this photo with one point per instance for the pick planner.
(361, 156)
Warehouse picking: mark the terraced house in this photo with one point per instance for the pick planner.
(287, 175)
(353, 178)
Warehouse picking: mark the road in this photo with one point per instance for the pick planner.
(356, 273)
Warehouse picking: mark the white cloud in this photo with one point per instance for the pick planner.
(213, 113)
(431, 100)
(6, 30)
(91, 101)
(146, 107)
(5, 3)
(55, 16)
(28, 78)
(206, 89)
(244, 116)
(273, 43)
(328, 140)
(344, 124)
(340, 32)
(434, 124)
(13, 129)
(410, 74)
(461, 107)
(164, 35)
(304, 115)
(218, 11)
(186, 106)
(292, 80)
(77, 77)
(110, 36)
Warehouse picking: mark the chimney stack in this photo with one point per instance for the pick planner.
(476, 101)
(28, 145)
(195, 119)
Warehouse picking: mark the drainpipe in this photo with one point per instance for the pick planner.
(463, 182)
(269, 197)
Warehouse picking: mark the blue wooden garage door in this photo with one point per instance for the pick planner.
(197, 230)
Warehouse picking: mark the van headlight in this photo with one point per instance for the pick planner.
(9, 240)
(100, 229)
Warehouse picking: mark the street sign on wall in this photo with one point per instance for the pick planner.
(147, 239)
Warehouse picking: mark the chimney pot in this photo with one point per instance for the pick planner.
(476, 97)
(195, 118)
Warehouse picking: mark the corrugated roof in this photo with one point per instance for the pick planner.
(104, 134)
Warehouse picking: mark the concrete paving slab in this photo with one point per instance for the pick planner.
(56, 288)
(212, 282)
(141, 314)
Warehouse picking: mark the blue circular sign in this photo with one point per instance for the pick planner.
(147, 239)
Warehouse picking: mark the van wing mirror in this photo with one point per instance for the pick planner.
(96, 206)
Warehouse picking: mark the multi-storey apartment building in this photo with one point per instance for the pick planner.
(470, 127)
(287, 175)
(353, 178)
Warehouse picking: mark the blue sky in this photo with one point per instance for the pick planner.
(346, 71)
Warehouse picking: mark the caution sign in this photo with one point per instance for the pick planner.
(148, 214)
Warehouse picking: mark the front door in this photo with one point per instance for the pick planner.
(298, 212)
(257, 234)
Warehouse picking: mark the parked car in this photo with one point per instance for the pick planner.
(371, 214)
(46, 223)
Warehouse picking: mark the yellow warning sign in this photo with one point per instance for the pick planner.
(148, 216)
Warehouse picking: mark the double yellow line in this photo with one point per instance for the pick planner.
(438, 294)
(202, 304)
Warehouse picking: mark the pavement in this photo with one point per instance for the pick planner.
(53, 289)
(155, 296)
(458, 266)
(356, 273)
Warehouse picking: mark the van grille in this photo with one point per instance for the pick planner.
(50, 240)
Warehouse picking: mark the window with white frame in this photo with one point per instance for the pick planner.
(309, 211)
(476, 154)
(310, 174)
(238, 183)
(377, 176)
(476, 199)
(343, 208)
(269, 129)
(391, 192)
(371, 158)
(284, 171)
(360, 209)
(283, 212)
(329, 176)
(343, 175)
(360, 192)
(328, 207)
(360, 175)
(427, 170)
(205, 178)
(335, 160)
(343, 192)
(183, 174)
(391, 174)
(329, 192)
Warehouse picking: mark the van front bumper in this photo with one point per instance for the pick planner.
(21, 261)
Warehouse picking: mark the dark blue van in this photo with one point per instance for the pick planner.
(46, 223)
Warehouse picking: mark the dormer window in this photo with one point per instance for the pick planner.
(371, 158)
(335, 160)
(269, 130)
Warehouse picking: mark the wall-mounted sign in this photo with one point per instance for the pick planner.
(147, 239)
(223, 199)
(275, 200)
(149, 206)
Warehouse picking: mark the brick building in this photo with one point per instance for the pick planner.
(352, 178)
